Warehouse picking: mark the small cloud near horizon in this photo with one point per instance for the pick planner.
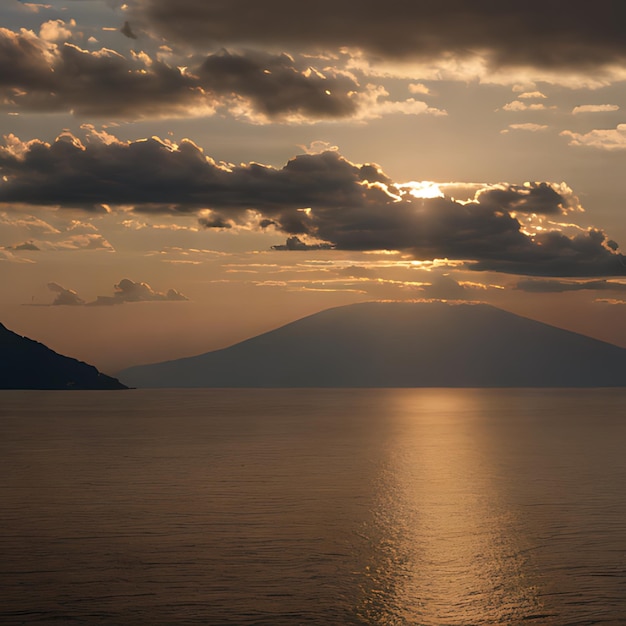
(558, 286)
(65, 297)
(124, 291)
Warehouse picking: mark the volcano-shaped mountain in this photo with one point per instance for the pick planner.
(398, 344)
(28, 364)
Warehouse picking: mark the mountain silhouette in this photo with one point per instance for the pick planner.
(400, 344)
(28, 364)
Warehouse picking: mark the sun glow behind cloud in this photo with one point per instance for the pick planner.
(422, 189)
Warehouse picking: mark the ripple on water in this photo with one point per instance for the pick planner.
(388, 507)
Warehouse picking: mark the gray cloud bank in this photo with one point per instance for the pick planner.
(533, 32)
(37, 75)
(314, 198)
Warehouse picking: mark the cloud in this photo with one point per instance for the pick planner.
(316, 198)
(29, 222)
(27, 245)
(557, 286)
(531, 95)
(374, 105)
(215, 222)
(594, 108)
(83, 242)
(295, 243)
(127, 31)
(34, 7)
(125, 291)
(65, 297)
(518, 105)
(357, 271)
(76, 235)
(274, 85)
(56, 30)
(611, 139)
(43, 74)
(157, 175)
(444, 287)
(419, 88)
(510, 32)
(141, 225)
(128, 291)
(528, 126)
(8, 257)
(611, 301)
(318, 146)
(538, 198)
(37, 75)
(477, 65)
(356, 279)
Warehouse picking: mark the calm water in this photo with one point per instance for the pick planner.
(394, 507)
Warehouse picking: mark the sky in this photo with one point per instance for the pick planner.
(178, 176)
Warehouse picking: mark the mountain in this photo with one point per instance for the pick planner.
(398, 344)
(27, 364)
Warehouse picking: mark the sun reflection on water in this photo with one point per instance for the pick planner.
(445, 541)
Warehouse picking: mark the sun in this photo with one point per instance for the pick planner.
(422, 189)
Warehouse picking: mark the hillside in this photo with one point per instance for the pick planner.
(400, 345)
(28, 364)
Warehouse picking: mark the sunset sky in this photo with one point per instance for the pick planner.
(176, 176)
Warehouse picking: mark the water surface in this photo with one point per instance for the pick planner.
(427, 506)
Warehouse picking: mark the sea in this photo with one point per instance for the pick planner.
(433, 507)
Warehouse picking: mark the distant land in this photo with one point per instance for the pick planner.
(28, 364)
(400, 344)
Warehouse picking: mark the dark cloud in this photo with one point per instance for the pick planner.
(314, 197)
(128, 291)
(295, 243)
(533, 32)
(444, 287)
(36, 75)
(214, 222)
(154, 175)
(127, 31)
(46, 77)
(538, 198)
(557, 286)
(24, 57)
(275, 85)
(125, 291)
(553, 253)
